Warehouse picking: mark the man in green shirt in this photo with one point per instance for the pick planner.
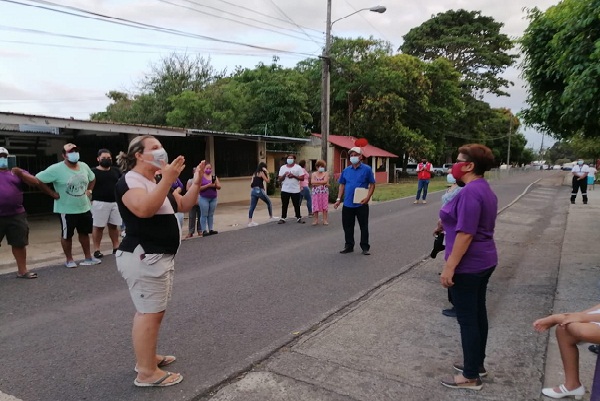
(72, 180)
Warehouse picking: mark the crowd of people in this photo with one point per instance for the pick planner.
(147, 197)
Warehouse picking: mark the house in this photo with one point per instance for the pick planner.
(377, 158)
(37, 142)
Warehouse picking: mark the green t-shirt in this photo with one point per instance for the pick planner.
(71, 185)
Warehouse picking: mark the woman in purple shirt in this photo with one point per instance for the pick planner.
(207, 200)
(469, 220)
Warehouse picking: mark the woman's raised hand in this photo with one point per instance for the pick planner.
(171, 171)
(199, 172)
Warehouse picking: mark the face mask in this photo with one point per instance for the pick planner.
(105, 163)
(290, 161)
(580, 162)
(450, 179)
(158, 155)
(207, 171)
(3, 162)
(73, 157)
(321, 169)
(354, 159)
(457, 172)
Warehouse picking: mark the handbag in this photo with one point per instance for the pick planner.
(438, 245)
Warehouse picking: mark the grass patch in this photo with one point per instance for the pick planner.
(408, 187)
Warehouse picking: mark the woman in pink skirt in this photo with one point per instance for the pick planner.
(320, 192)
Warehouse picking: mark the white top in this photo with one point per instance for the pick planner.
(579, 171)
(290, 185)
(592, 172)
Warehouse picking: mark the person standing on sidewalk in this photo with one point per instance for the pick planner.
(580, 173)
(105, 211)
(424, 171)
(257, 191)
(305, 188)
(357, 176)
(208, 200)
(469, 220)
(73, 180)
(13, 218)
(146, 256)
(290, 176)
(320, 192)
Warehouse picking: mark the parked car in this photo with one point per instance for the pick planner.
(446, 167)
(556, 167)
(439, 171)
(411, 169)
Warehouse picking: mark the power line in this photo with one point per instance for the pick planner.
(140, 25)
(368, 22)
(292, 21)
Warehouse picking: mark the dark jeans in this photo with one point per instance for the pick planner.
(305, 194)
(422, 186)
(194, 220)
(255, 194)
(285, 202)
(349, 214)
(468, 295)
(577, 184)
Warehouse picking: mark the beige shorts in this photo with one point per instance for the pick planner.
(105, 212)
(149, 278)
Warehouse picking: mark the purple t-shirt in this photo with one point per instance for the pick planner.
(209, 193)
(473, 211)
(11, 188)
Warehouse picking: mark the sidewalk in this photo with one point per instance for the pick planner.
(44, 234)
(394, 344)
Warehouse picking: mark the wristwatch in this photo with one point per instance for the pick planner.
(338, 199)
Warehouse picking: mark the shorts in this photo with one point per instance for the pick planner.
(149, 278)
(16, 230)
(105, 213)
(69, 222)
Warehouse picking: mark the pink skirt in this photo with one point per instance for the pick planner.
(320, 201)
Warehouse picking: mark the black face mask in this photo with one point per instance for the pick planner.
(105, 163)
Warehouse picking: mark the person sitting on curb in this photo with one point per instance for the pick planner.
(571, 329)
(13, 218)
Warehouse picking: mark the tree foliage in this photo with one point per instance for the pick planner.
(562, 68)
(473, 44)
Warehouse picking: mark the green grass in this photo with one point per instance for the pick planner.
(407, 187)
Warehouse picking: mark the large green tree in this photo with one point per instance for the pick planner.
(562, 68)
(472, 42)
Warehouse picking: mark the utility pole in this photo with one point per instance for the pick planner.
(325, 62)
(509, 135)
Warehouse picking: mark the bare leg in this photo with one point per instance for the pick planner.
(113, 233)
(325, 221)
(84, 240)
(97, 236)
(67, 246)
(569, 353)
(145, 337)
(315, 218)
(20, 254)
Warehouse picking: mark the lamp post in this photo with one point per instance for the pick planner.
(325, 81)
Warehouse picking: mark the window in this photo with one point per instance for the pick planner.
(234, 157)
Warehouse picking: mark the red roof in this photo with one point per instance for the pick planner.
(347, 142)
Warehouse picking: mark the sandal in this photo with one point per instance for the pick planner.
(27, 275)
(166, 360)
(161, 382)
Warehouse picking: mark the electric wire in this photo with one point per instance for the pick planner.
(368, 22)
(293, 22)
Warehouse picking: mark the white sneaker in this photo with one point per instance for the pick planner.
(90, 262)
(274, 218)
(252, 224)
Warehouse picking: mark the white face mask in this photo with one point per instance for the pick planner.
(354, 159)
(73, 157)
(290, 161)
(321, 169)
(158, 155)
(3, 162)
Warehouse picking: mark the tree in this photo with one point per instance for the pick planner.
(473, 44)
(562, 55)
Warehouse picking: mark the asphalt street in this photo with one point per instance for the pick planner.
(238, 297)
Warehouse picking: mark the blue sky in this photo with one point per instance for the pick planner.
(58, 64)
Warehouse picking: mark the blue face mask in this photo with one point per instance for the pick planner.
(3, 162)
(354, 159)
(580, 162)
(450, 179)
(290, 161)
(73, 157)
(321, 169)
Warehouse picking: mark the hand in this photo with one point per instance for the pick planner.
(17, 171)
(177, 190)
(336, 204)
(364, 201)
(55, 195)
(199, 173)
(171, 171)
(571, 318)
(446, 277)
(545, 323)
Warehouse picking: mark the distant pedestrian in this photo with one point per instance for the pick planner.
(591, 177)
(73, 180)
(320, 192)
(105, 212)
(257, 191)
(424, 171)
(580, 172)
(305, 188)
(290, 176)
(194, 214)
(146, 256)
(13, 218)
(208, 200)
(357, 184)
(469, 221)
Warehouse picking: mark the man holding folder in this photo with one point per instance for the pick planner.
(357, 184)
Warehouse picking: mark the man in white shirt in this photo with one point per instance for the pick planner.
(290, 176)
(580, 172)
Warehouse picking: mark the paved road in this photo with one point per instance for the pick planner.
(238, 297)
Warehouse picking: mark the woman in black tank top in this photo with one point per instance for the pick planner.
(260, 176)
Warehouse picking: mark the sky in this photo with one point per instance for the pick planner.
(60, 57)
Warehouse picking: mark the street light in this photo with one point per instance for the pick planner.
(326, 62)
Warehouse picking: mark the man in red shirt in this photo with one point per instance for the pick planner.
(424, 172)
